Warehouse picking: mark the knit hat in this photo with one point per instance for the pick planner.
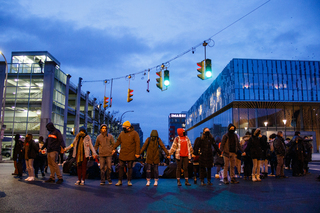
(82, 129)
(126, 123)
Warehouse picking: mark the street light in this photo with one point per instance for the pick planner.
(3, 102)
(266, 124)
(123, 114)
(285, 128)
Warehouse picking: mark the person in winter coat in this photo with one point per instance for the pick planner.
(104, 143)
(280, 150)
(229, 147)
(254, 148)
(18, 156)
(30, 153)
(218, 159)
(39, 162)
(308, 150)
(81, 151)
(264, 159)
(297, 152)
(183, 152)
(247, 160)
(273, 156)
(53, 144)
(203, 148)
(195, 164)
(130, 150)
(152, 144)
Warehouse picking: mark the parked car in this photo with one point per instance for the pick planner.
(6, 152)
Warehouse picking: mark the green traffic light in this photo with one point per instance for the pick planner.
(208, 74)
(166, 81)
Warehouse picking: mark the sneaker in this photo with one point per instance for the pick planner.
(129, 183)
(102, 183)
(77, 183)
(27, 179)
(254, 178)
(82, 183)
(119, 183)
(50, 180)
(187, 182)
(148, 183)
(178, 182)
(31, 179)
(110, 182)
(59, 181)
(155, 183)
(202, 183)
(209, 183)
(225, 181)
(233, 180)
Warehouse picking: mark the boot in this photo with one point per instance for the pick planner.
(202, 183)
(155, 182)
(225, 181)
(148, 183)
(178, 182)
(254, 178)
(233, 180)
(195, 180)
(209, 183)
(119, 183)
(258, 177)
(187, 183)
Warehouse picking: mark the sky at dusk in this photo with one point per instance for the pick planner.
(102, 39)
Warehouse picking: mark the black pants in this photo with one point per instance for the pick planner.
(297, 166)
(247, 166)
(121, 169)
(185, 162)
(203, 171)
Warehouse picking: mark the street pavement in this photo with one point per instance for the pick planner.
(294, 194)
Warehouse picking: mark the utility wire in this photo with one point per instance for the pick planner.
(191, 49)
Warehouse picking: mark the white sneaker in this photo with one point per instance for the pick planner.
(155, 183)
(31, 179)
(77, 183)
(254, 178)
(82, 183)
(148, 183)
(27, 179)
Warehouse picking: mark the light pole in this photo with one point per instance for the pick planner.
(123, 114)
(285, 128)
(3, 103)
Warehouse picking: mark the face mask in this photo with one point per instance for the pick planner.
(207, 134)
(125, 129)
(184, 133)
(231, 131)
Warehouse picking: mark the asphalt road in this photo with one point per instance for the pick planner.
(294, 194)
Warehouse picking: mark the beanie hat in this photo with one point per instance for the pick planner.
(82, 129)
(127, 123)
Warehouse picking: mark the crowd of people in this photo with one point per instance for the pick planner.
(250, 156)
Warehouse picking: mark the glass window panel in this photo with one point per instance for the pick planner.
(307, 118)
(296, 118)
(271, 113)
(280, 117)
(252, 117)
(262, 116)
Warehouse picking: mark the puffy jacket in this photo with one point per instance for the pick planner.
(54, 142)
(130, 145)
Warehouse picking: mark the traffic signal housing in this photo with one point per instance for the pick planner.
(129, 95)
(166, 81)
(208, 72)
(159, 80)
(201, 70)
(105, 102)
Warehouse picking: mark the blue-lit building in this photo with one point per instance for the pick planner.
(270, 94)
(175, 121)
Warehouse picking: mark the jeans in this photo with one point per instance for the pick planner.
(185, 162)
(232, 160)
(121, 170)
(52, 163)
(30, 168)
(155, 171)
(256, 167)
(280, 166)
(105, 166)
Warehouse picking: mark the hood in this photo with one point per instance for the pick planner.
(50, 127)
(246, 137)
(230, 125)
(180, 132)
(17, 137)
(257, 132)
(154, 133)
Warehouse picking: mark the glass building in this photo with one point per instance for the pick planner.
(38, 92)
(274, 95)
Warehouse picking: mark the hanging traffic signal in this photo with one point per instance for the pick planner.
(159, 80)
(166, 81)
(105, 102)
(129, 95)
(208, 72)
(201, 70)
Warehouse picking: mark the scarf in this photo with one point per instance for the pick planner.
(80, 148)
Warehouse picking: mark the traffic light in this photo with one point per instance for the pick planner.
(129, 95)
(159, 80)
(105, 102)
(208, 73)
(166, 81)
(201, 70)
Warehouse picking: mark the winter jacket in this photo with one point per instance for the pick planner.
(264, 147)
(203, 148)
(87, 144)
(54, 142)
(279, 146)
(152, 146)
(17, 150)
(130, 145)
(224, 147)
(254, 147)
(296, 148)
(176, 145)
(104, 143)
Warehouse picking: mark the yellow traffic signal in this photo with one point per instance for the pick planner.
(129, 95)
(201, 70)
(159, 80)
(105, 102)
